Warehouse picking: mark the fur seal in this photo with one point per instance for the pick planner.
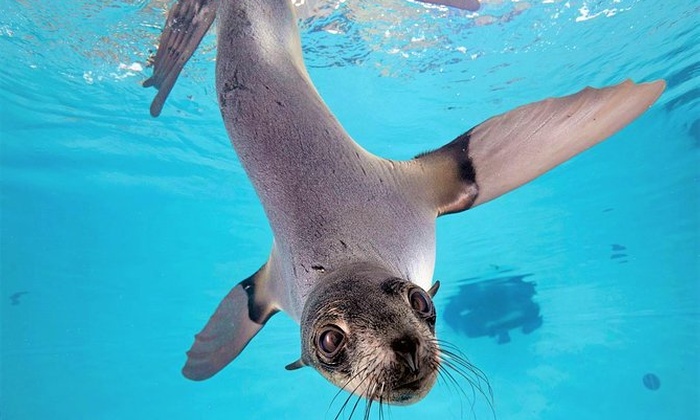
(354, 234)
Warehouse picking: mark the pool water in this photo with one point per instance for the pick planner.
(578, 295)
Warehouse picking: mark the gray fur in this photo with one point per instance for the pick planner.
(372, 306)
(329, 202)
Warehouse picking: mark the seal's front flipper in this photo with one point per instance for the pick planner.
(240, 316)
(511, 149)
(187, 23)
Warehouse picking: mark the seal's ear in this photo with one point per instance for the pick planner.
(240, 316)
(188, 21)
(511, 149)
(295, 365)
(434, 289)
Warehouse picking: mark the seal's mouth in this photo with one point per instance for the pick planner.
(414, 385)
(407, 392)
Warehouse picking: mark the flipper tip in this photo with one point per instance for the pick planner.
(156, 108)
(657, 87)
(148, 82)
(195, 372)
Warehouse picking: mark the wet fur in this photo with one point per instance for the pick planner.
(371, 306)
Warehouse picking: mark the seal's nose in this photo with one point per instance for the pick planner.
(406, 348)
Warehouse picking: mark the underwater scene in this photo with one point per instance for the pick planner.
(575, 296)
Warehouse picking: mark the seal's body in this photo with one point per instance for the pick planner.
(354, 247)
(326, 198)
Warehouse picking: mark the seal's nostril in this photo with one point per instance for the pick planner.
(404, 345)
(407, 351)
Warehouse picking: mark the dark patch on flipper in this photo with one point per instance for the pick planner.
(188, 21)
(458, 188)
(257, 312)
(239, 316)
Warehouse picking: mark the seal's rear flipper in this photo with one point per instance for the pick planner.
(511, 149)
(187, 23)
(240, 316)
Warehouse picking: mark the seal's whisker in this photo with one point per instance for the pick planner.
(455, 353)
(364, 375)
(451, 382)
(350, 395)
(475, 385)
(336, 396)
(450, 379)
(444, 371)
(354, 407)
(352, 378)
(464, 367)
(460, 358)
(472, 400)
(342, 408)
(381, 402)
(477, 376)
(370, 400)
(452, 358)
(453, 349)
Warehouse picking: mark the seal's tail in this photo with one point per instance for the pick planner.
(188, 21)
(511, 149)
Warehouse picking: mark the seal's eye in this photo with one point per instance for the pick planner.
(331, 340)
(420, 301)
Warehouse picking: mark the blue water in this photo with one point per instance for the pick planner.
(120, 233)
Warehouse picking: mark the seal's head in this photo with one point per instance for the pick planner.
(372, 334)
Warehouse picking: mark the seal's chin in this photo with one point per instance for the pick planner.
(409, 390)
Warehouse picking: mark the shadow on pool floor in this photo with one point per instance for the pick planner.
(493, 307)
